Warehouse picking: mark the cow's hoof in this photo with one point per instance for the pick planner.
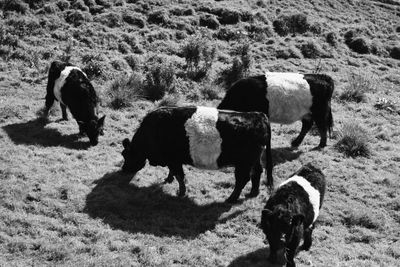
(252, 194)
(295, 143)
(168, 180)
(181, 195)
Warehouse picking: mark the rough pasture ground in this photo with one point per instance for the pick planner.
(59, 202)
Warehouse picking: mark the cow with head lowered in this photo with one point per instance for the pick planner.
(206, 138)
(286, 98)
(69, 85)
(291, 212)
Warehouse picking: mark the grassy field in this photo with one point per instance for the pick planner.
(60, 203)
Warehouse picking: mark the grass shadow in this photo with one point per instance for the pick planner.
(281, 155)
(34, 132)
(256, 258)
(150, 210)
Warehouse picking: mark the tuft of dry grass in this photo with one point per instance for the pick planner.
(357, 86)
(124, 90)
(353, 140)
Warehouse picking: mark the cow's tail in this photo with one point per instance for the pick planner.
(330, 122)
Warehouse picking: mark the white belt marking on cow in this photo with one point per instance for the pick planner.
(289, 96)
(204, 138)
(313, 194)
(59, 83)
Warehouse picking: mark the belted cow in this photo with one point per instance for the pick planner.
(286, 98)
(69, 85)
(291, 212)
(206, 138)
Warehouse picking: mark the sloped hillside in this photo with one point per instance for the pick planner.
(60, 202)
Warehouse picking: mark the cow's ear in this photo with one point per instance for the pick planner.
(126, 143)
(265, 218)
(266, 213)
(100, 122)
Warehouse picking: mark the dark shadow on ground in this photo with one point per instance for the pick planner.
(34, 132)
(256, 258)
(281, 155)
(150, 210)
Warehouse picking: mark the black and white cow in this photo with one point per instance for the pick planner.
(291, 211)
(205, 138)
(286, 98)
(69, 85)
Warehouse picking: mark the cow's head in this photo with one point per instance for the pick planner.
(93, 129)
(134, 160)
(279, 226)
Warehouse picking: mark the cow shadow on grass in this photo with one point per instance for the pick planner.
(256, 258)
(281, 155)
(34, 132)
(150, 210)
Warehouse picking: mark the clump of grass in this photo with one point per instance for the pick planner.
(110, 19)
(239, 69)
(63, 4)
(134, 19)
(77, 17)
(199, 55)
(353, 140)
(209, 21)
(367, 218)
(291, 24)
(228, 16)
(386, 104)
(358, 85)
(312, 49)
(93, 65)
(158, 17)
(360, 45)
(124, 90)
(14, 5)
(133, 62)
(259, 31)
(395, 52)
(332, 38)
(169, 100)
(210, 92)
(160, 79)
(289, 52)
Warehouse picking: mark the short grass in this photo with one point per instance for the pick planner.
(60, 201)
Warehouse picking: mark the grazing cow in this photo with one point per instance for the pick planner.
(70, 86)
(291, 211)
(205, 138)
(286, 98)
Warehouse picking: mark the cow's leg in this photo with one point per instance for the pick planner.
(307, 123)
(64, 111)
(81, 128)
(273, 253)
(268, 163)
(322, 129)
(291, 248)
(255, 179)
(170, 177)
(307, 238)
(180, 176)
(242, 176)
(49, 103)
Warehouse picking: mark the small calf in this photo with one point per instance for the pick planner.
(291, 211)
(70, 86)
(205, 138)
